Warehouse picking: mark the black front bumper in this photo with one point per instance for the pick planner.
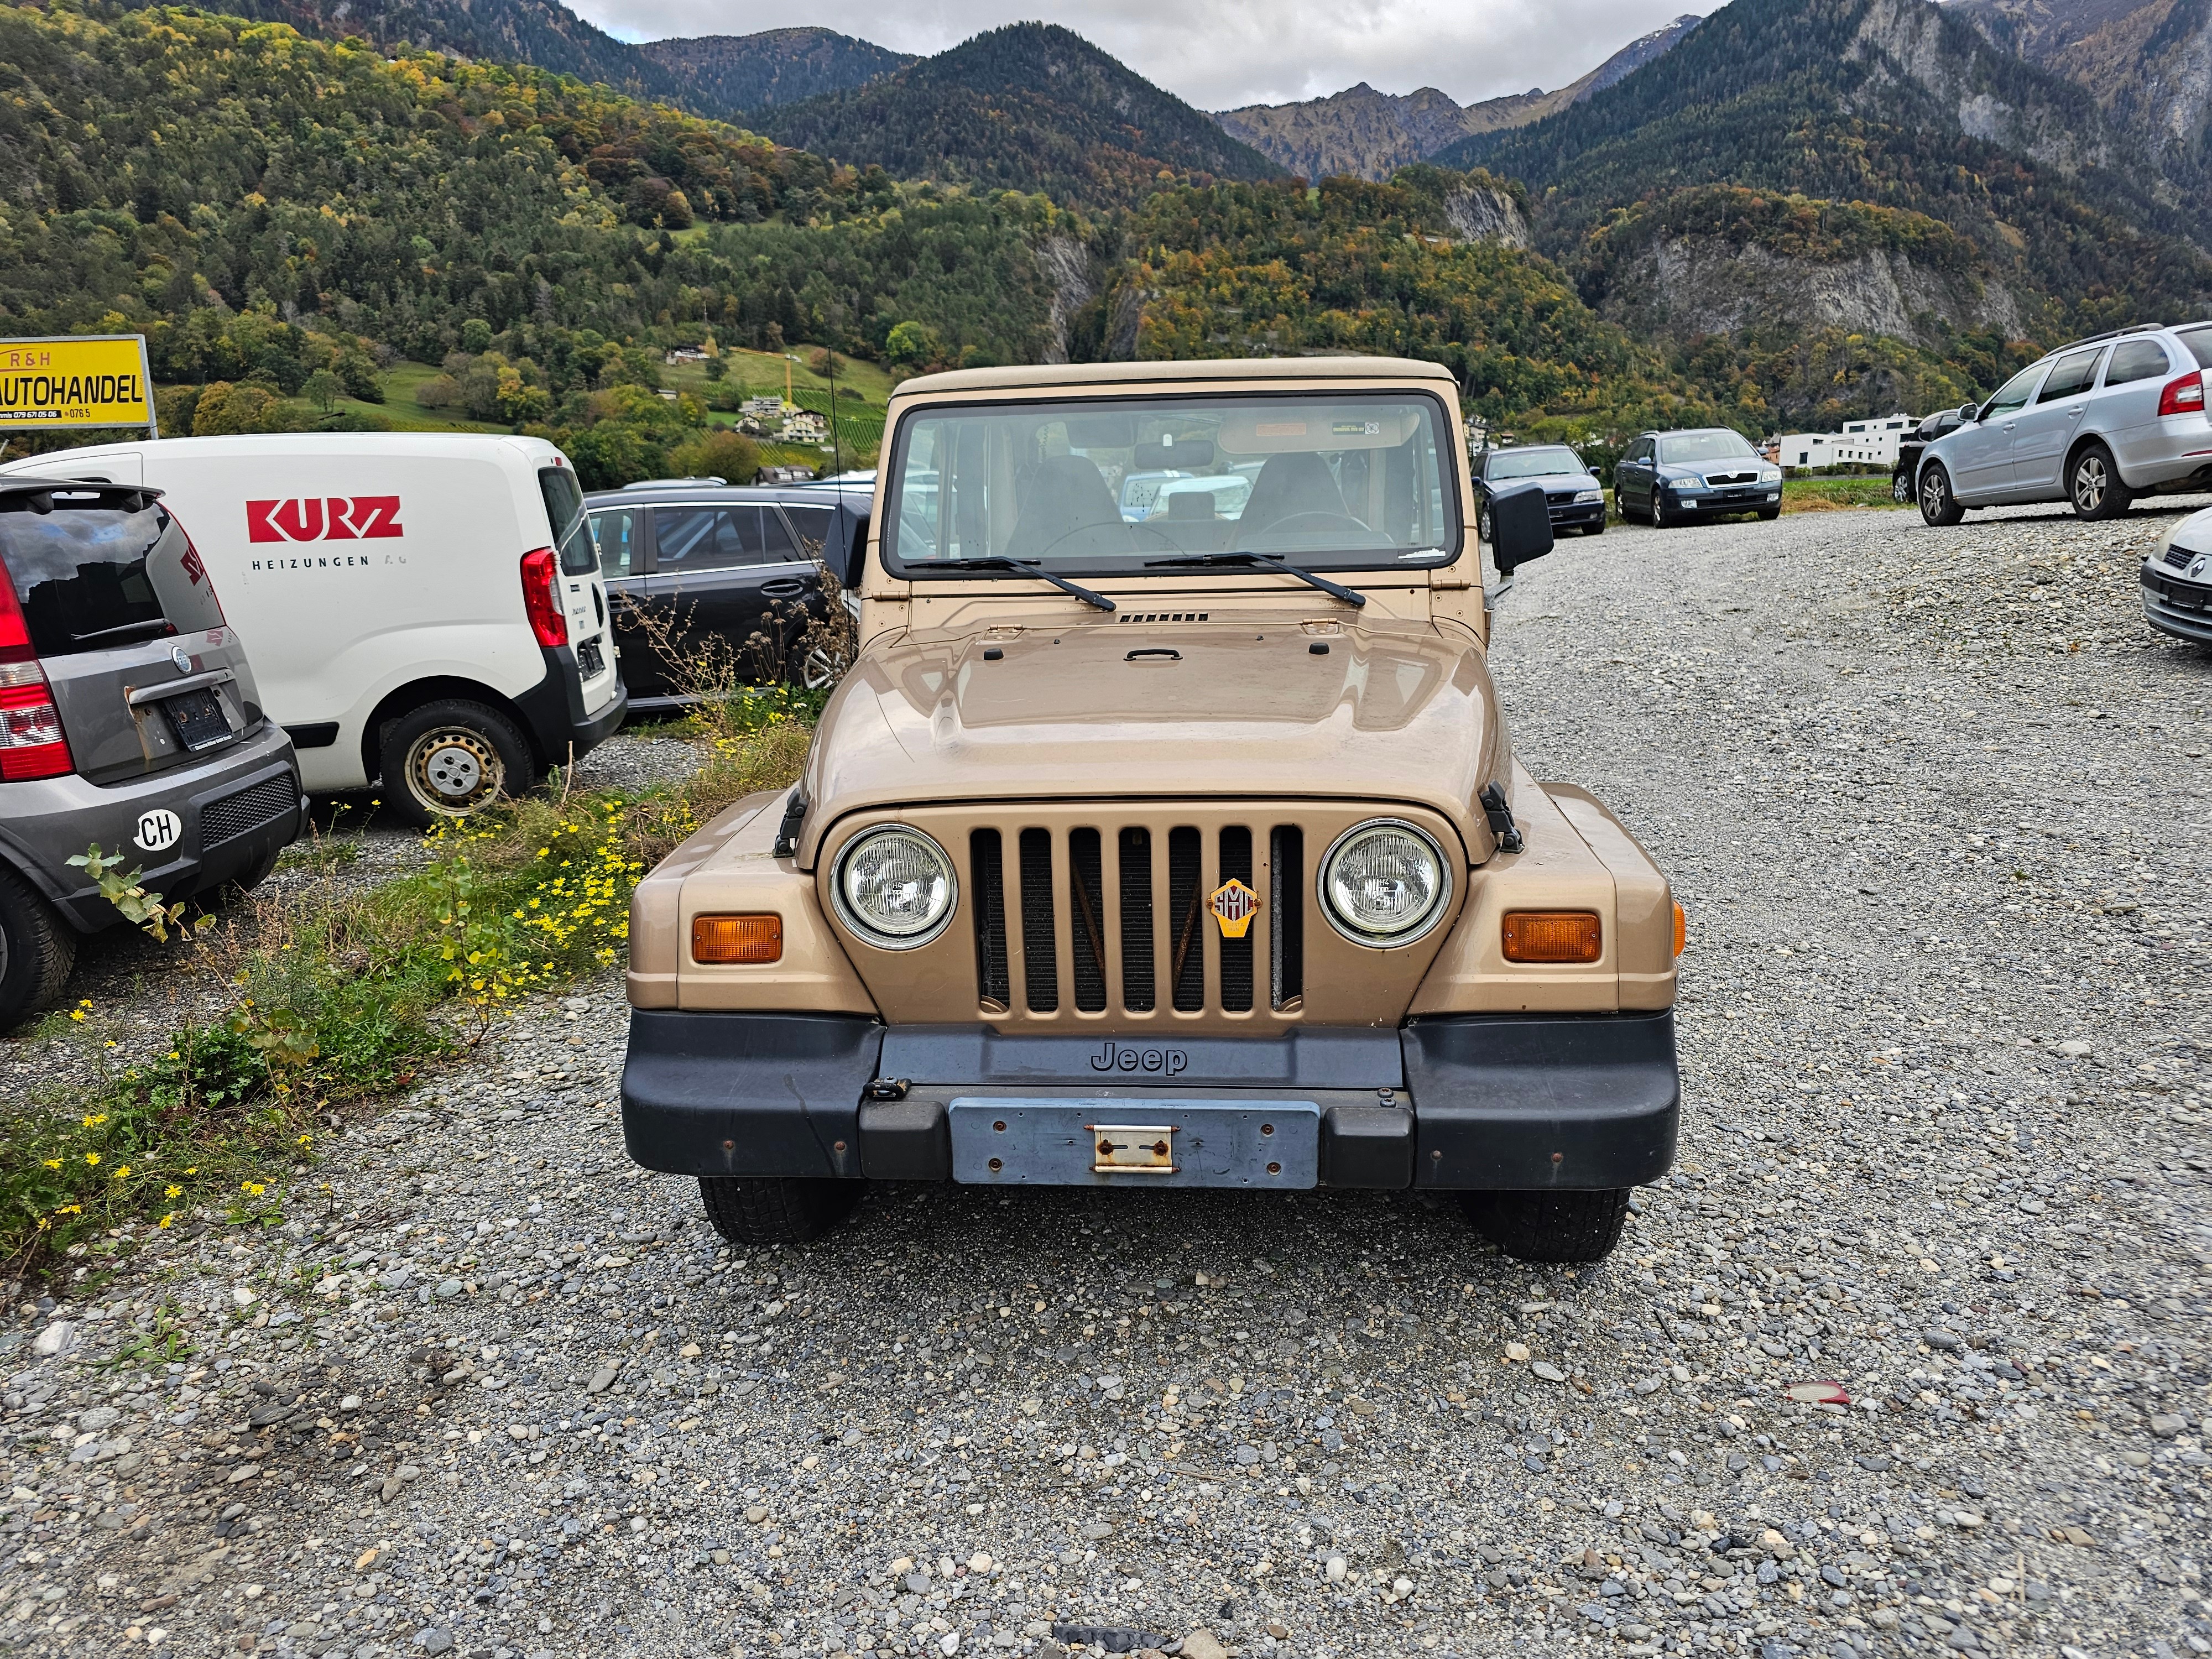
(1491, 1102)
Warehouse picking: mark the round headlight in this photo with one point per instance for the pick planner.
(1383, 883)
(895, 888)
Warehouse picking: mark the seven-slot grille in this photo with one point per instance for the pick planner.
(1127, 909)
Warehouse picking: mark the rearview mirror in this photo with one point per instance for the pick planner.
(1520, 527)
(1163, 455)
(1102, 431)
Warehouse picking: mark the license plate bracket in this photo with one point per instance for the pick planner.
(198, 718)
(1036, 1140)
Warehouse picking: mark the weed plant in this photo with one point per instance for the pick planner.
(306, 999)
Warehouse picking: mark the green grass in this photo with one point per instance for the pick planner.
(1835, 494)
(337, 999)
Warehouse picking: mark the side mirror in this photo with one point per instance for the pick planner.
(1969, 411)
(1520, 527)
(852, 561)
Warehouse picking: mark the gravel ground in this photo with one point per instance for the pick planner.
(489, 1390)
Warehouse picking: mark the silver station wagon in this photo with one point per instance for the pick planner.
(2096, 424)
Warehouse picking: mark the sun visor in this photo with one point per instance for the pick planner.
(1292, 428)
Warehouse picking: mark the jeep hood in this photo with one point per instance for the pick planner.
(1224, 708)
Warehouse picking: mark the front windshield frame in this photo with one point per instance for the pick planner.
(1450, 480)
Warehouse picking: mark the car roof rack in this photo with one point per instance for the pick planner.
(674, 483)
(2109, 334)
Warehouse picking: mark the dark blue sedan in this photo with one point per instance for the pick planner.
(1671, 477)
(1572, 489)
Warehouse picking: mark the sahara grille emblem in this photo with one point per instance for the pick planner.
(1234, 905)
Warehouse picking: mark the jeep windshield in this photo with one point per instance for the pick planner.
(1326, 480)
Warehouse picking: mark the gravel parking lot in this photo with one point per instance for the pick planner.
(1937, 803)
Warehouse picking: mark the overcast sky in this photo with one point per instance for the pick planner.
(1221, 53)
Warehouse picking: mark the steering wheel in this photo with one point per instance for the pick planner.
(1314, 523)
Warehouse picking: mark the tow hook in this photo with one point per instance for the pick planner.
(887, 1088)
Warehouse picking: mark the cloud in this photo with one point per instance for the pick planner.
(1217, 54)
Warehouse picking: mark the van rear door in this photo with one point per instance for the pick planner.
(123, 621)
(583, 594)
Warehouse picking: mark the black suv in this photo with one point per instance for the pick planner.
(712, 570)
(1913, 444)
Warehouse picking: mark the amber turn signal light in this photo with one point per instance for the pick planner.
(717, 940)
(1552, 936)
(1681, 929)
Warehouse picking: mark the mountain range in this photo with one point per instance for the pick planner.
(1797, 209)
(1366, 134)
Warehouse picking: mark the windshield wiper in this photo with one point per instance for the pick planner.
(155, 624)
(1259, 561)
(1026, 567)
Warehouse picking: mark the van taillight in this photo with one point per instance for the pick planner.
(2183, 397)
(541, 598)
(31, 743)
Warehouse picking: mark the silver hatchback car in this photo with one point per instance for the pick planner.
(2096, 424)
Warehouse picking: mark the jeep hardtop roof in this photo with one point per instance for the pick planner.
(1041, 376)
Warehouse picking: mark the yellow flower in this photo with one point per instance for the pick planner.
(94, 1123)
(174, 1191)
(122, 1173)
(76, 1013)
(54, 1163)
(92, 1157)
(168, 1218)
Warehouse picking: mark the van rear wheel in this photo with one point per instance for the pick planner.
(450, 759)
(37, 951)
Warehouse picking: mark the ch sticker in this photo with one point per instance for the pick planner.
(159, 829)
(1234, 905)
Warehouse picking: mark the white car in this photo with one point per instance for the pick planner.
(426, 609)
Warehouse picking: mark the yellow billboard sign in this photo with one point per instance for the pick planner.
(81, 380)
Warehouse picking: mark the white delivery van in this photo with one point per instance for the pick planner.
(425, 609)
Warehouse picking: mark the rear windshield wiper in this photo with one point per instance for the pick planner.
(1258, 562)
(1026, 567)
(157, 624)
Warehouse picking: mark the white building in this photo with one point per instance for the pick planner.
(1861, 443)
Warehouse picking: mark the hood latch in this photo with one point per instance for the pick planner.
(1496, 808)
(786, 833)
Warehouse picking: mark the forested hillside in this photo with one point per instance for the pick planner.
(1029, 107)
(729, 73)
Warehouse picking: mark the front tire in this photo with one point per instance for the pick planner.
(37, 951)
(1550, 1225)
(1658, 512)
(452, 758)
(775, 1209)
(1900, 489)
(1597, 528)
(2092, 484)
(1483, 530)
(1939, 507)
(1771, 513)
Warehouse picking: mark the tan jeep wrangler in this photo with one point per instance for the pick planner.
(1165, 833)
